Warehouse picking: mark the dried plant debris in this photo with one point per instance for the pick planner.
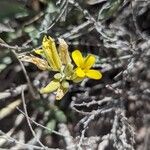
(91, 55)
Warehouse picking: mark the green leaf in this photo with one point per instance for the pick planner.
(34, 36)
(11, 9)
(109, 9)
(60, 116)
(51, 125)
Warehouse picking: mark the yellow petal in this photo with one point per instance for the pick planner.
(39, 51)
(63, 51)
(77, 57)
(48, 53)
(80, 73)
(93, 74)
(89, 62)
(51, 87)
(51, 53)
(75, 78)
(56, 57)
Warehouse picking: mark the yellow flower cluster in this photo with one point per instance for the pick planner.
(59, 60)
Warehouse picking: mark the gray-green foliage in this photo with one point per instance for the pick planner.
(11, 9)
(109, 9)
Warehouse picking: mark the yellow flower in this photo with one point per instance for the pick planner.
(58, 59)
(84, 65)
